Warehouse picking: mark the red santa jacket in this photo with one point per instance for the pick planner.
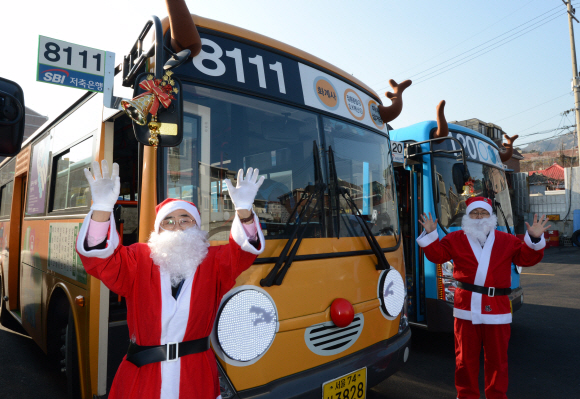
(489, 266)
(155, 317)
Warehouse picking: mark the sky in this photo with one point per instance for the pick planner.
(504, 62)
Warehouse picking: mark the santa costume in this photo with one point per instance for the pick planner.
(482, 310)
(155, 317)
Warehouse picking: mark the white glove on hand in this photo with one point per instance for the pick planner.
(104, 189)
(246, 189)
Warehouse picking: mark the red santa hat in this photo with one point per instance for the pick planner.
(478, 202)
(173, 204)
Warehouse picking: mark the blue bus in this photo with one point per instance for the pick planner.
(438, 175)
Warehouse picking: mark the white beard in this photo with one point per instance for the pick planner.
(178, 253)
(478, 229)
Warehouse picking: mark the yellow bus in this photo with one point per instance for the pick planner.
(327, 208)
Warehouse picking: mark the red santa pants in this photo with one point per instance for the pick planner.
(468, 340)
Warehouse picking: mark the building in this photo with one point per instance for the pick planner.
(549, 179)
(495, 133)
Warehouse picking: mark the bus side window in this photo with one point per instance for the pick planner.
(70, 186)
(6, 199)
(126, 154)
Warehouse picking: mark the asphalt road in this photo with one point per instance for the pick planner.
(544, 347)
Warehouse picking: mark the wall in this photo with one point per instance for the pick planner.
(561, 202)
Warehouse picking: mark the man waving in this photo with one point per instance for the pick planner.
(173, 285)
(482, 259)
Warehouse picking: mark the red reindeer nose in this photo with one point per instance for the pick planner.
(341, 312)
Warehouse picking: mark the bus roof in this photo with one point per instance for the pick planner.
(202, 22)
(422, 131)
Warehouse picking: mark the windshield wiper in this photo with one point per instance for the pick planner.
(383, 264)
(507, 226)
(276, 275)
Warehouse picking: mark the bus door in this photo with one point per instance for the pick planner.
(16, 220)
(123, 149)
(409, 199)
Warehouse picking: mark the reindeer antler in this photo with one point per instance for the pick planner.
(184, 34)
(509, 148)
(391, 112)
(442, 126)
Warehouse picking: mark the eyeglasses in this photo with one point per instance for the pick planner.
(478, 214)
(171, 224)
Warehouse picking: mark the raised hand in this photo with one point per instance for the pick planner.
(428, 223)
(105, 189)
(246, 189)
(538, 227)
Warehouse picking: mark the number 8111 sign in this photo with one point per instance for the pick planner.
(71, 65)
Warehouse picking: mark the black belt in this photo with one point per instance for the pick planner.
(489, 291)
(142, 355)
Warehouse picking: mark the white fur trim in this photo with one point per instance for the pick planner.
(462, 314)
(174, 317)
(483, 256)
(537, 246)
(239, 235)
(173, 206)
(112, 243)
(478, 204)
(427, 239)
(505, 318)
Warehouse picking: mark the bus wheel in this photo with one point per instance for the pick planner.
(69, 358)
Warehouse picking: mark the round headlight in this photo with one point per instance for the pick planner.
(391, 293)
(247, 324)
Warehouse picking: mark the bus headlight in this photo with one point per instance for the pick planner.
(246, 325)
(391, 292)
(448, 282)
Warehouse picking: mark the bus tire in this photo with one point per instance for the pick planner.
(576, 238)
(70, 358)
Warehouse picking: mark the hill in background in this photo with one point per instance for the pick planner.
(566, 141)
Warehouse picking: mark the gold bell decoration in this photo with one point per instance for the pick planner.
(158, 91)
(139, 107)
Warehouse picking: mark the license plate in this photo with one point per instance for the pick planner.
(350, 386)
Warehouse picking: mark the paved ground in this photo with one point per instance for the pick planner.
(544, 347)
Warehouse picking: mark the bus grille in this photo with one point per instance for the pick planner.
(326, 339)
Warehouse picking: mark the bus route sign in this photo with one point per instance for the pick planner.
(71, 65)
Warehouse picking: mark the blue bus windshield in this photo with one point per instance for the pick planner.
(488, 181)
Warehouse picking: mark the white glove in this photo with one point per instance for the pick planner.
(104, 189)
(246, 189)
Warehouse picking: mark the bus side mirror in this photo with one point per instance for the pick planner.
(171, 118)
(460, 175)
(11, 117)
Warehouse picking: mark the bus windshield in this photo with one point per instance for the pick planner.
(225, 131)
(488, 181)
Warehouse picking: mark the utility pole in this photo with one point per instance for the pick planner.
(575, 77)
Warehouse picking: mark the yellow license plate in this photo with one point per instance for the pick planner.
(350, 386)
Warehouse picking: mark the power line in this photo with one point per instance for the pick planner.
(497, 44)
(535, 106)
(477, 54)
(439, 54)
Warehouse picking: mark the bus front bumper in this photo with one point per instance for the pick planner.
(381, 360)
